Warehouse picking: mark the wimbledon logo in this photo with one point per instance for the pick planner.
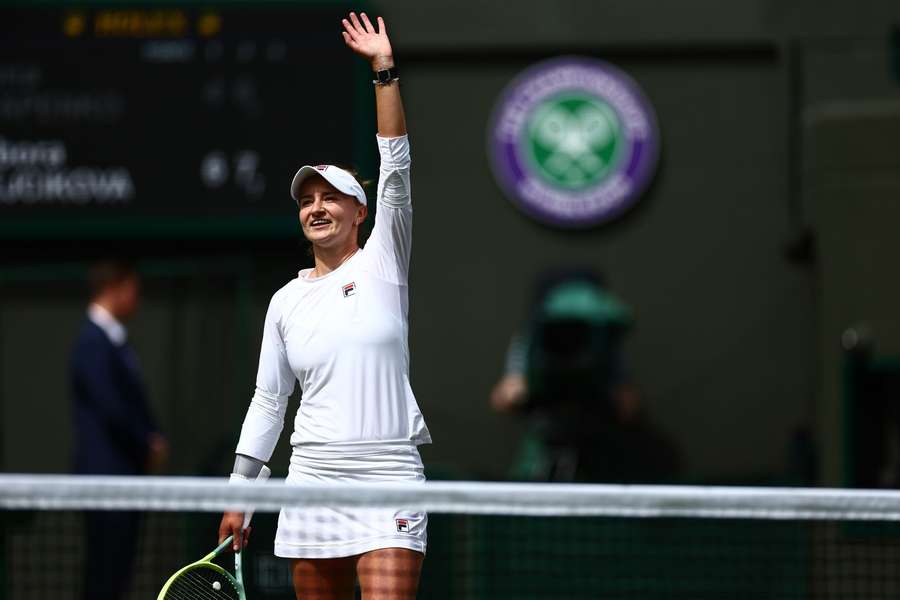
(573, 142)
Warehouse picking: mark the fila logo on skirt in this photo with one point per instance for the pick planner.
(402, 525)
(349, 289)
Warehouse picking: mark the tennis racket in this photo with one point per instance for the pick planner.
(205, 580)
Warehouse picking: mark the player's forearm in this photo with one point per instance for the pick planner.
(388, 103)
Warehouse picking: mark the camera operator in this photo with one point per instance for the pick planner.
(565, 372)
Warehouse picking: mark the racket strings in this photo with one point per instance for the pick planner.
(197, 584)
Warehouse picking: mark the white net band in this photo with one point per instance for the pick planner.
(70, 492)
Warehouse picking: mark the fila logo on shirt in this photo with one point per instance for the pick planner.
(402, 525)
(349, 289)
(321, 167)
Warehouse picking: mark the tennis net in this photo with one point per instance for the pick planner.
(485, 540)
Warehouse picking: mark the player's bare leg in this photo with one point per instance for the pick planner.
(324, 578)
(390, 574)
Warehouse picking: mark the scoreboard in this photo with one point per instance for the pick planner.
(124, 121)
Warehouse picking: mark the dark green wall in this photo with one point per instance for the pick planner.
(853, 173)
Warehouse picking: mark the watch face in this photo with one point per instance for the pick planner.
(386, 76)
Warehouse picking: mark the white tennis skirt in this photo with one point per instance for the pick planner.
(333, 533)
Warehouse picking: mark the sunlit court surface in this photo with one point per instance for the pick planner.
(393, 300)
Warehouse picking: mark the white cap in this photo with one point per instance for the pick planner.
(342, 180)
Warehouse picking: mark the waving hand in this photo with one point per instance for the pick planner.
(371, 44)
(375, 47)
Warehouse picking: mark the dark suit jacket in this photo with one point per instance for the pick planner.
(111, 416)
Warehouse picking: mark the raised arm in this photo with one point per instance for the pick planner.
(375, 47)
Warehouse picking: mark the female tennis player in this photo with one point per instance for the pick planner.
(340, 328)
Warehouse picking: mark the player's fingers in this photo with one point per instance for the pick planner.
(367, 23)
(351, 43)
(349, 30)
(382, 28)
(355, 20)
(247, 536)
(237, 538)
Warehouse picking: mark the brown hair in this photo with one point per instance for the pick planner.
(365, 183)
(362, 233)
(108, 273)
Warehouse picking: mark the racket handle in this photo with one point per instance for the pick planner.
(263, 475)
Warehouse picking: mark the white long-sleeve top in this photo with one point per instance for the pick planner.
(343, 336)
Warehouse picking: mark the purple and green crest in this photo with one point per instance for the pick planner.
(573, 142)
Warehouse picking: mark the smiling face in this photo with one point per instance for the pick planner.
(329, 218)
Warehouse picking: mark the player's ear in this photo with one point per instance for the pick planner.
(361, 214)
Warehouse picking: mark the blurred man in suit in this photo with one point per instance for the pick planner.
(115, 433)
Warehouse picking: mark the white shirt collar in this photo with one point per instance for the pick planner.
(103, 319)
(306, 274)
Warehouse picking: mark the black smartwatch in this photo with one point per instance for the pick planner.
(386, 76)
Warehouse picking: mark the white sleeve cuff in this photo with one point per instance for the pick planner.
(394, 152)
